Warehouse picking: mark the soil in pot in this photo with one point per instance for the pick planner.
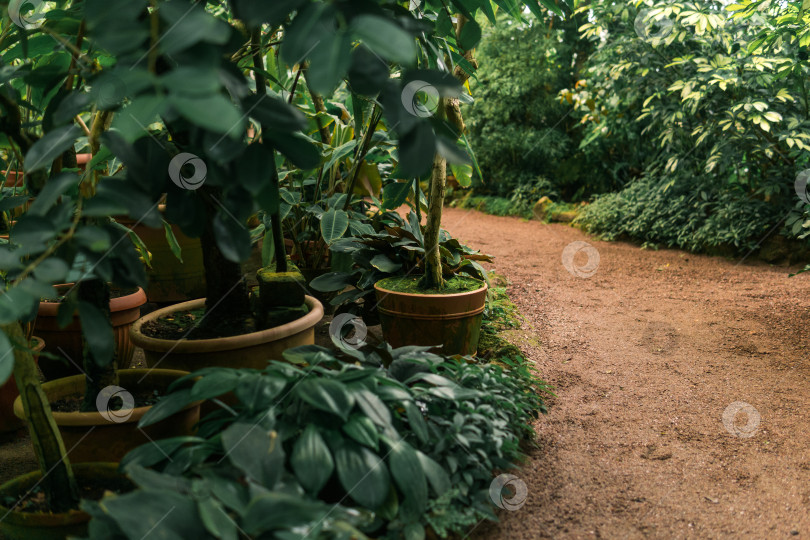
(9, 392)
(109, 433)
(26, 517)
(448, 319)
(66, 343)
(252, 350)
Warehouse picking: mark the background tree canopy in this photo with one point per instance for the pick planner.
(694, 115)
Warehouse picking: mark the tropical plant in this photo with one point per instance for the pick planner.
(409, 437)
(393, 246)
(715, 116)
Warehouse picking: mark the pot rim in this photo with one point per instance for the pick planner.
(71, 419)
(48, 308)
(242, 341)
(47, 519)
(484, 287)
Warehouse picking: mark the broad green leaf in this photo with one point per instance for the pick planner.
(50, 146)
(409, 475)
(311, 460)
(333, 224)
(326, 395)
(362, 474)
(385, 38)
(177, 251)
(213, 112)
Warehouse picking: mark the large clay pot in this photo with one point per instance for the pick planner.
(245, 351)
(108, 436)
(170, 280)
(449, 322)
(49, 526)
(67, 342)
(9, 392)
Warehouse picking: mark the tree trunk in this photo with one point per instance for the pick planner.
(433, 262)
(99, 373)
(58, 482)
(225, 287)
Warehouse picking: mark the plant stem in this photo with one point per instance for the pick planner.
(58, 482)
(365, 143)
(261, 89)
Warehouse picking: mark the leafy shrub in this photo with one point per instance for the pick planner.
(695, 215)
(518, 127)
(398, 439)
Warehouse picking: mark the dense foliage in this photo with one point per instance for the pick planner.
(397, 440)
(700, 109)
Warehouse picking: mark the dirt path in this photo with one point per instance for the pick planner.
(646, 356)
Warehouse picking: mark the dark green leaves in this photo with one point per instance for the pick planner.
(311, 460)
(326, 395)
(329, 62)
(385, 38)
(50, 146)
(6, 358)
(97, 332)
(362, 474)
(470, 35)
(213, 112)
(189, 24)
(232, 238)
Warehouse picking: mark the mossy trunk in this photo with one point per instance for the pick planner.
(99, 372)
(58, 482)
(433, 263)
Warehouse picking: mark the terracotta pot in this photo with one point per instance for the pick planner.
(49, 526)
(14, 178)
(245, 351)
(67, 342)
(170, 280)
(9, 392)
(450, 322)
(82, 160)
(93, 436)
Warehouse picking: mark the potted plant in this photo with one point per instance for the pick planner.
(232, 325)
(67, 231)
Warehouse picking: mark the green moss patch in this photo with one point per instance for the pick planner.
(410, 284)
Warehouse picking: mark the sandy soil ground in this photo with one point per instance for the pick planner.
(682, 404)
